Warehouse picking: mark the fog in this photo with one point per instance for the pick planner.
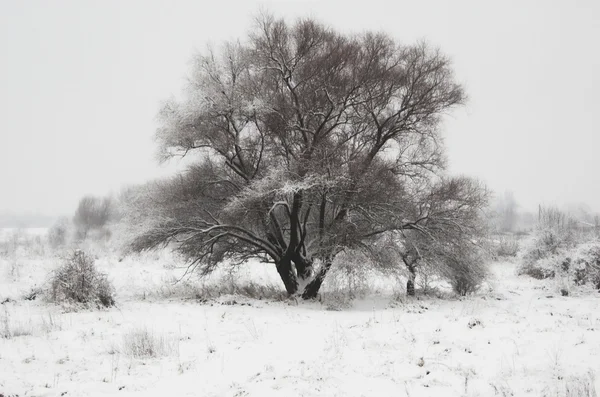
(81, 83)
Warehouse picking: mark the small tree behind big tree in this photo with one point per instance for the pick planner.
(455, 233)
(92, 213)
(445, 238)
(312, 142)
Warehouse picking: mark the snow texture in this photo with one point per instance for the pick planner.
(519, 337)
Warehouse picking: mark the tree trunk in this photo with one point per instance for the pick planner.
(303, 267)
(312, 289)
(288, 276)
(410, 284)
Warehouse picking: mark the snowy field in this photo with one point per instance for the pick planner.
(519, 337)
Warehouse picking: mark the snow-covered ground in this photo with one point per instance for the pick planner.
(519, 338)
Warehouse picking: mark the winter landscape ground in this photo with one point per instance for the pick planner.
(299, 199)
(516, 337)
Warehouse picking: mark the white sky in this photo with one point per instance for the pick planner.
(81, 83)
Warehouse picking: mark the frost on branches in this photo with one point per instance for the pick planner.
(310, 143)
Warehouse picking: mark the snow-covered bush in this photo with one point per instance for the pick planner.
(78, 282)
(540, 270)
(507, 247)
(546, 243)
(467, 273)
(547, 251)
(560, 249)
(577, 265)
(585, 264)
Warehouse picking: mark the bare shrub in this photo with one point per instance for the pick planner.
(586, 264)
(78, 281)
(578, 266)
(535, 271)
(559, 247)
(546, 243)
(466, 275)
(462, 263)
(141, 343)
(57, 234)
(463, 284)
(507, 247)
(543, 267)
(546, 252)
(93, 213)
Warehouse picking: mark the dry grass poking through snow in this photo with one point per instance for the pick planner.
(183, 289)
(14, 324)
(13, 328)
(142, 343)
(573, 386)
(521, 339)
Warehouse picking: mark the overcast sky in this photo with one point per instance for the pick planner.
(81, 83)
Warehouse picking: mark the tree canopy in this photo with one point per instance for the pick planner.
(311, 142)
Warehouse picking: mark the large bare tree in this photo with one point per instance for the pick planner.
(309, 142)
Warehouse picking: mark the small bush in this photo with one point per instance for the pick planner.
(547, 253)
(542, 268)
(548, 242)
(79, 282)
(578, 266)
(586, 264)
(466, 273)
(464, 284)
(507, 247)
(536, 272)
